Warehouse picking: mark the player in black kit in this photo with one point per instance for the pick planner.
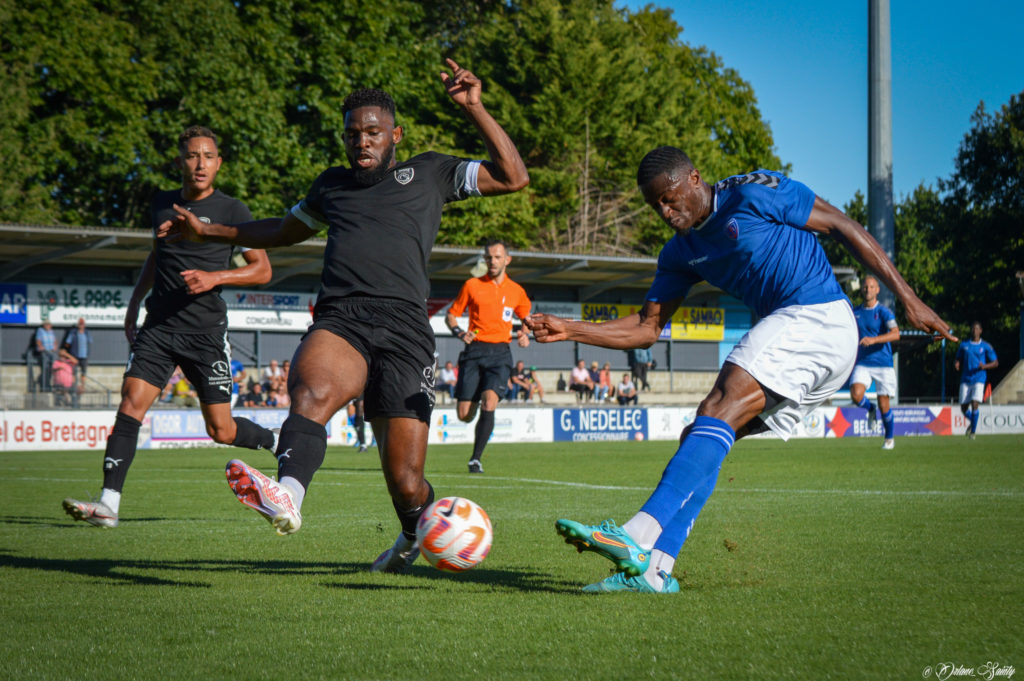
(186, 324)
(370, 330)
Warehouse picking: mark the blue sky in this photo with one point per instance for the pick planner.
(807, 63)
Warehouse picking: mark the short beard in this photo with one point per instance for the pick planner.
(367, 177)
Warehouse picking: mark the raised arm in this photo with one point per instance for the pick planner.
(639, 330)
(827, 219)
(505, 172)
(266, 233)
(257, 270)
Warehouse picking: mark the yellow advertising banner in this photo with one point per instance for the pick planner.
(698, 323)
(688, 323)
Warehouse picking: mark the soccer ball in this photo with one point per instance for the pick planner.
(454, 534)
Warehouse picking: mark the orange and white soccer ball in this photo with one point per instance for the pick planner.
(454, 534)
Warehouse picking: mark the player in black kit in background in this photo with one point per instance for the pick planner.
(186, 324)
(370, 330)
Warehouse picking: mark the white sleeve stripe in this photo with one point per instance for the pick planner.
(892, 324)
(307, 219)
(470, 185)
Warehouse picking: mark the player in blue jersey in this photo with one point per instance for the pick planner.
(973, 359)
(754, 237)
(876, 325)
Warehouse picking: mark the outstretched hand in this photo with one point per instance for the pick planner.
(924, 318)
(461, 85)
(185, 225)
(546, 328)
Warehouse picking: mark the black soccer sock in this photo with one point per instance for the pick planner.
(121, 445)
(252, 436)
(360, 426)
(300, 449)
(484, 428)
(409, 517)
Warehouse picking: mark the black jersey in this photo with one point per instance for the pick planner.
(380, 237)
(169, 304)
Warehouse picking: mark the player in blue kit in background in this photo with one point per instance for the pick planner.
(752, 236)
(876, 325)
(973, 359)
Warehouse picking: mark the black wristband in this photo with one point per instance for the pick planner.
(457, 331)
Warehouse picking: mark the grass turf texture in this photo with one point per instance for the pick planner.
(823, 559)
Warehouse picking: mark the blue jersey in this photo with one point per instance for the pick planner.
(971, 356)
(874, 321)
(751, 246)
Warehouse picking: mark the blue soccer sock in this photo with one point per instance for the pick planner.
(691, 474)
(864, 403)
(973, 415)
(888, 423)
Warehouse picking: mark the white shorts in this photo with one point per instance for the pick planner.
(803, 353)
(972, 392)
(884, 378)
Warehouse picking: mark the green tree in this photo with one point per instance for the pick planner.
(586, 89)
(984, 212)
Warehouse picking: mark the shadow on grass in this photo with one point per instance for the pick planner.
(423, 577)
(140, 572)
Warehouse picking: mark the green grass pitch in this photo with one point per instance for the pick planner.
(816, 559)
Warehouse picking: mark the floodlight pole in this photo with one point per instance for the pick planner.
(881, 219)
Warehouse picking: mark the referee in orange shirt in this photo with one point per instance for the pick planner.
(486, 363)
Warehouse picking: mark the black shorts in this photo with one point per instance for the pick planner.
(395, 339)
(205, 359)
(483, 366)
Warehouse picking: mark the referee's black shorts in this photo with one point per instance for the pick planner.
(395, 339)
(483, 366)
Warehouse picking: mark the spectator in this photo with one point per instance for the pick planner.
(531, 376)
(256, 397)
(604, 383)
(271, 376)
(238, 376)
(639, 362)
(46, 351)
(446, 380)
(77, 342)
(63, 382)
(580, 382)
(280, 397)
(184, 394)
(626, 391)
(595, 376)
(519, 382)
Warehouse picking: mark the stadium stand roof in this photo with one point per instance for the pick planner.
(57, 253)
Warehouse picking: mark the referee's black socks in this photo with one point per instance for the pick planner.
(248, 434)
(300, 449)
(484, 428)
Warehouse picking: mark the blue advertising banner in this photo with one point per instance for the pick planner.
(13, 304)
(593, 424)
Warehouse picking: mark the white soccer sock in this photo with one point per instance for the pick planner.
(661, 563)
(110, 499)
(297, 490)
(644, 529)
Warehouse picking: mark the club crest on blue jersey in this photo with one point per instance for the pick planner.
(732, 229)
(403, 176)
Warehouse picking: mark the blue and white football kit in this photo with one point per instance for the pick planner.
(874, 362)
(971, 355)
(753, 247)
